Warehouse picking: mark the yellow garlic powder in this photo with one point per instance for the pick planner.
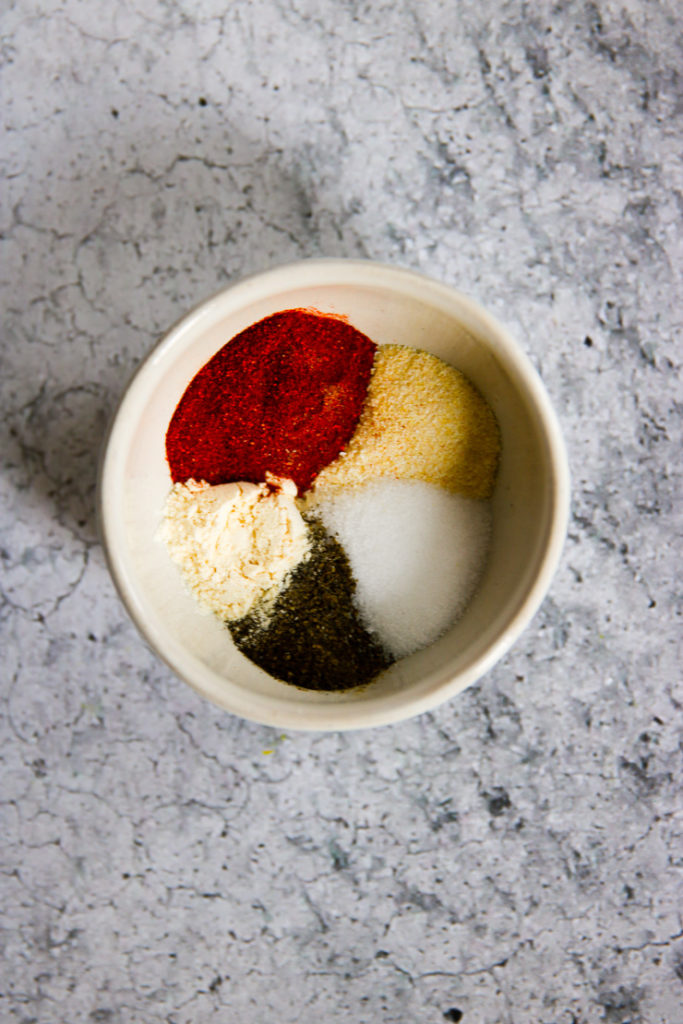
(422, 420)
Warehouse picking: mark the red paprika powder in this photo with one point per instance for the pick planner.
(284, 395)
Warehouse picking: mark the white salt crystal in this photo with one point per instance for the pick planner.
(417, 552)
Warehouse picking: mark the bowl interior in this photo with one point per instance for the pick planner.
(390, 306)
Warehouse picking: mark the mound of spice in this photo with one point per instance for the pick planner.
(282, 396)
(313, 635)
(394, 454)
(234, 543)
(417, 553)
(423, 420)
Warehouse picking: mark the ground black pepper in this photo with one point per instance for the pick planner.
(313, 637)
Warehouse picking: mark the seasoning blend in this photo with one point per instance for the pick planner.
(394, 455)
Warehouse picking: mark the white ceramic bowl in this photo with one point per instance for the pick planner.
(530, 504)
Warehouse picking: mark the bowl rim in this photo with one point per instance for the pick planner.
(349, 715)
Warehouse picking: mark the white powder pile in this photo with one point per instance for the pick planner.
(234, 543)
(417, 552)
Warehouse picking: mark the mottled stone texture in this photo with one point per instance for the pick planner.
(512, 857)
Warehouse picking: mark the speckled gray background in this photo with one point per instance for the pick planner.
(514, 856)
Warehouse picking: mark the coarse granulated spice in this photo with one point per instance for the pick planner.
(313, 636)
(422, 420)
(283, 396)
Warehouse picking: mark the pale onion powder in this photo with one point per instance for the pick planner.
(234, 543)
